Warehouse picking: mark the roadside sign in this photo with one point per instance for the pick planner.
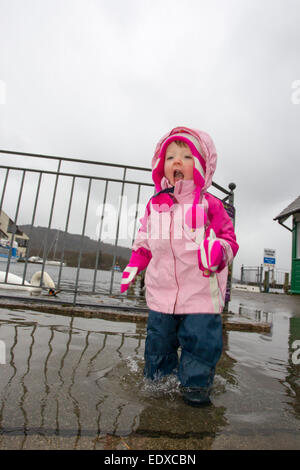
(269, 260)
(269, 257)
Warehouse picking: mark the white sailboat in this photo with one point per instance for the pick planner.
(49, 262)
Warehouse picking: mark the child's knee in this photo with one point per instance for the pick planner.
(161, 334)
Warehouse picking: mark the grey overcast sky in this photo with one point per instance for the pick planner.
(105, 79)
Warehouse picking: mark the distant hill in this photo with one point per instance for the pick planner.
(71, 243)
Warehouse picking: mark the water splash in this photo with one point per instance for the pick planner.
(132, 364)
(168, 385)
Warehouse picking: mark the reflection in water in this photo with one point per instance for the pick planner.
(55, 377)
(83, 378)
(255, 314)
(74, 377)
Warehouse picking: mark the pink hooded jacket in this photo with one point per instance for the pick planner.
(169, 248)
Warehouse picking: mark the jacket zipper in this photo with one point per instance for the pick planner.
(171, 227)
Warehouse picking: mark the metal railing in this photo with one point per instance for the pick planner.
(252, 275)
(70, 195)
(255, 276)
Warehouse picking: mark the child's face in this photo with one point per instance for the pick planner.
(179, 163)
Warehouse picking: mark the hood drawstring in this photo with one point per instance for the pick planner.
(167, 190)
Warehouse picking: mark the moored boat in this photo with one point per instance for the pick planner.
(8, 251)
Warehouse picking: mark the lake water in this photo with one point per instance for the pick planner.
(68, 282)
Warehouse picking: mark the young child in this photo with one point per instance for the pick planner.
(186, 241)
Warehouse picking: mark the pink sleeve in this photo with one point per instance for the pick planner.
(222, 225)
(141, 254)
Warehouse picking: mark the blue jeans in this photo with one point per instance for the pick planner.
(201, 342)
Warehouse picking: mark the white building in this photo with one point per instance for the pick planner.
(7, 228)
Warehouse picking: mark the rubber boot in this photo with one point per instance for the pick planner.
(196, 396)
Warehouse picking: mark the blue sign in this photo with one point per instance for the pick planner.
(269, 260)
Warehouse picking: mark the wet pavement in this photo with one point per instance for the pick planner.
(77, 383)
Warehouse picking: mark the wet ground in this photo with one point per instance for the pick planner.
(76, 383)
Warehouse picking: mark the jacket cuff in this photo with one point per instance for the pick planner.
(140, 258)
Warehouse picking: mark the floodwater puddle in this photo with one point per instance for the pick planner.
(81, 381)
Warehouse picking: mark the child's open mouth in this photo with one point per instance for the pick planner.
(178, 175)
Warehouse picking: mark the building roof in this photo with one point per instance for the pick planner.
(289, 210)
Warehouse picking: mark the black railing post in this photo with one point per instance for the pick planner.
(232, 187)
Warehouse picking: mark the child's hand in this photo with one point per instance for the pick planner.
(210, 255)
(138, 262)
(128, 276)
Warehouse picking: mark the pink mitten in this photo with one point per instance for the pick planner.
(128, 276)
(138, 262)
(211, 255)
